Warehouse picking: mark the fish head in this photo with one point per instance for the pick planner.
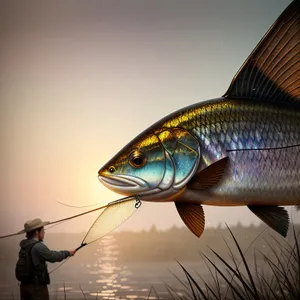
(155, 165)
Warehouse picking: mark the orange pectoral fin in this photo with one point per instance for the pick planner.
(193, 216)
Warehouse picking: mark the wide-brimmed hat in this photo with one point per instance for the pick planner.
(33, 225)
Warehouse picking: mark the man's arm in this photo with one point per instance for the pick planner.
(42, 252)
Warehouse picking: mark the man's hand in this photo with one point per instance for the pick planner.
(72, 252)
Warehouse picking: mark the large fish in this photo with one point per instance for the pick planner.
(240, 149)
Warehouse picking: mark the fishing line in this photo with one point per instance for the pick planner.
(68, 205)
(261, 149)
(72, 207)
(59, 265)
(82, 245)
(81, 214)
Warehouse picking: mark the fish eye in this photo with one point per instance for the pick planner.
(137, 159)
(111, 169)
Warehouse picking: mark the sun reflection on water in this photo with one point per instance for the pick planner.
(103, 275)
(110, 275)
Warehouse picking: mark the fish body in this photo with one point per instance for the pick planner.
(240, 149)
(262, 143)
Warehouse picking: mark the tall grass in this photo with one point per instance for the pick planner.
(275, 275)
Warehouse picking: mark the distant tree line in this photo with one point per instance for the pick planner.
(181, 244)
(161, 245)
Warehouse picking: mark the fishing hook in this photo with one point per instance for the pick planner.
(138, 202)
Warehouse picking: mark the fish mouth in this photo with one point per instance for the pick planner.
(125, 185)
(117, 181)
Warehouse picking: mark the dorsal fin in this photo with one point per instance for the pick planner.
(272, 70)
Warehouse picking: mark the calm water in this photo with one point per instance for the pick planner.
(104, 276)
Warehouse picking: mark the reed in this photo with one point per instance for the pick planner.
(275, 275)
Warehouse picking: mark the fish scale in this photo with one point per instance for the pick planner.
(240, 132)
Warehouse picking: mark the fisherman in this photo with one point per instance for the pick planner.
(31, 268)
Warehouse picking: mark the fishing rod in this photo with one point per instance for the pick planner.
(58, 221)
(137, 204)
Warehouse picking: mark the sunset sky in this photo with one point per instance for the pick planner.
(80, 79)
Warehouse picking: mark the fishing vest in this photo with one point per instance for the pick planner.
(25, 270)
